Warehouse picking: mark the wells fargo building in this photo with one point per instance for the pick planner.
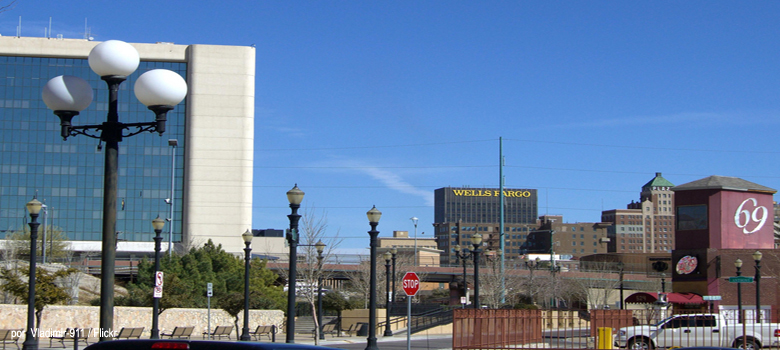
(461, 212)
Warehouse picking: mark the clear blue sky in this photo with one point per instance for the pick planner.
(380, 102)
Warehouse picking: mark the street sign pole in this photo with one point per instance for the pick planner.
(409, 322)
(209, 294)
(410, 285)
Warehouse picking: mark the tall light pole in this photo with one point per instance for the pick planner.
(295, 197)
(757, 258)
(30, 341)
(43, 234)
(247, 236)
(738, 265)
(462, 253)
(157, 224)
(394, 251)
(320, 247)
(388, 256)
(173, 143)
(414, 221)
(621, 266)
(159, 89)
(373, 219)
(476, 241)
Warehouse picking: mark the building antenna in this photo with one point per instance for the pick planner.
(19, 28)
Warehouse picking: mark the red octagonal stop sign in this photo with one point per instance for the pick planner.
(411, 283)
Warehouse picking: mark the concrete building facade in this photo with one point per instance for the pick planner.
(214, 126)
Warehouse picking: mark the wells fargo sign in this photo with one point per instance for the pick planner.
(491, 193)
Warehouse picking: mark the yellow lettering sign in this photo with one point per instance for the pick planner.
(491, 193)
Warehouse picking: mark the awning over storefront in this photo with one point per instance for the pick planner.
(674, 298)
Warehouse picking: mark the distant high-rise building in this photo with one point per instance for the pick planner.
(646, 226)
(461, 212)
(554, 236)
(213, 129)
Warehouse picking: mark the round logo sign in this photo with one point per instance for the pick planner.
(686, 264)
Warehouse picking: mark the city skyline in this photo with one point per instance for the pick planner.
(366, 104)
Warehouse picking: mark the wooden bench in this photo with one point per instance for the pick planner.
(329, 328)
(82, 334)
(128, 332)
(351, 329)
(219, 332)
(268, 331)
(179, 333)
(10, 336)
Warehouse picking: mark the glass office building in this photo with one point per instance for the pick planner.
(67, 175)
(214, 158)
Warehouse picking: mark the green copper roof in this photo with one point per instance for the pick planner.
(658, 181)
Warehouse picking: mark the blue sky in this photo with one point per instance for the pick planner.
(380, 102)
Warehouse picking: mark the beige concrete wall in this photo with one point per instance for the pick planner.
(220, 145)
(59, 317)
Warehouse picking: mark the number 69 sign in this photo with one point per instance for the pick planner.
(747, 214)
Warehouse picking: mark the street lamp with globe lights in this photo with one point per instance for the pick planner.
(394, 251)
(160, 90)
(738, 265)
(757, 258)
(388, 256)
(30, 341)
(476, 241)
(158, 225)
(247, 237)
(373, 220)
(320, 247)
(295, 197)
(462, 253)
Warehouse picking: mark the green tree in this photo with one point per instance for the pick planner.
(47, 292)
(57, 246)
(186, 277)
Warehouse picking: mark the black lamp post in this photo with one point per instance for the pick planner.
(621, 266)
(157, 224)
(159, 89)
(738, 265)
(394, 251)
(373, 219)
(531, 265)
(295, 197)
(247, 236)
(757, 258)
(30, 341)
(463, 254)
(476, 241)
(388, 255)
(320, 247)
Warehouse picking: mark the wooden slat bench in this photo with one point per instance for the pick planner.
(10, 336)
(263, 330)
(71, 334)
(329, 328)
(130, 332)
(179, 333)
(219, 332)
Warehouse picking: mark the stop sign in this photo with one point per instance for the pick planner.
(411, 283)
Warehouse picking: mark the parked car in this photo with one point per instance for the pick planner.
(699, 330)
(144, 344)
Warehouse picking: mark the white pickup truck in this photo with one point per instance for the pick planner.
(699, 330)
